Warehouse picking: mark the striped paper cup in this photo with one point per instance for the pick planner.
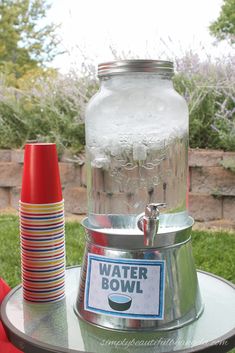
(42, 241)
(41, 212)
(41, 216)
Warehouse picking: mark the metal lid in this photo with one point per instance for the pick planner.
(161, 67)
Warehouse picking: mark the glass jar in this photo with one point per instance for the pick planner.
(136, 143)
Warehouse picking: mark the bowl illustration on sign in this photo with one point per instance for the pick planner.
(119, 302)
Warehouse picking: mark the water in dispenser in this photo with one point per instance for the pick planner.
(138, 270)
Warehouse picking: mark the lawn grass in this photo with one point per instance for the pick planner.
(10, 247)
(213, 251)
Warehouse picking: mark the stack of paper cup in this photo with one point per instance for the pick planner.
(42, 234)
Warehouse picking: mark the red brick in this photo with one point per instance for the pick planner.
(205, 207)
(229, 155)
(69, 174)
(67, 157)
(83, 175)
(218, 225)
(15, 197)
(204, 158)
(4, 198)
(5, 155)
(75, 200)
(228, 161)
(17, 156)
(229, 208)
(10, 174)
(213, 181)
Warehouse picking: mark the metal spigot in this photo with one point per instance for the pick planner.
(148, 222)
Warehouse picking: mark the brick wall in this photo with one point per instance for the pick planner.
(212, 186)
(72, 174)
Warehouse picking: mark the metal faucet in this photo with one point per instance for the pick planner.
(148, 222)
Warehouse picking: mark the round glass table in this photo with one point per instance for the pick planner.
(44, 328)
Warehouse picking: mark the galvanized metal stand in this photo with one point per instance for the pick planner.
(139, 278)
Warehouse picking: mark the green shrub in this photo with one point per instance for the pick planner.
(48, 106)
(210, 92)
(47, 109)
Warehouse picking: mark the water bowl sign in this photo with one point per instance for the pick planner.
(128, 288)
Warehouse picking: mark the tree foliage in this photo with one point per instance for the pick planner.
(26, 40)
(224, 26)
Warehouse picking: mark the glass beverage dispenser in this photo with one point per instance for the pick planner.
(138, 270)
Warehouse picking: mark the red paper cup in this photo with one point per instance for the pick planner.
(41, 179)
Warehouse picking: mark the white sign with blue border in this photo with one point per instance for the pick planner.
(127, 288)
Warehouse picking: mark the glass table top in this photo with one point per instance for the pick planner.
(56, 328)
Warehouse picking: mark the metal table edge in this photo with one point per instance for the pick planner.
(13, 333)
